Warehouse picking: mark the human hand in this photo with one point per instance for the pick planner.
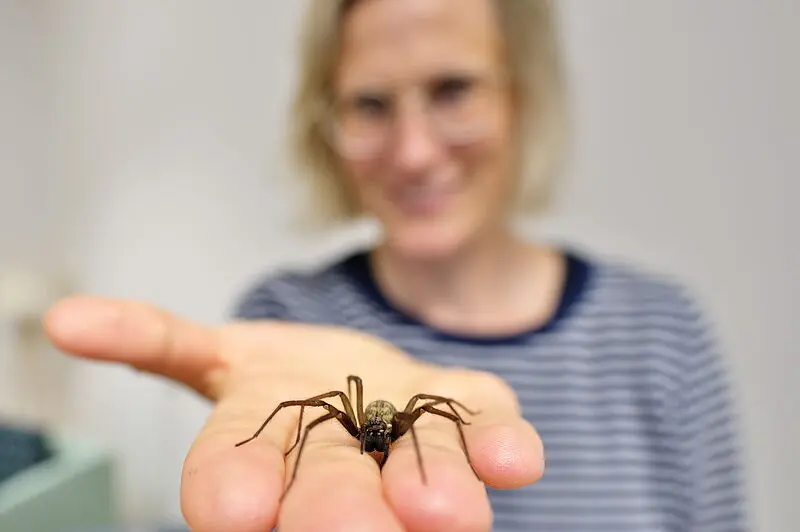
(247, 369)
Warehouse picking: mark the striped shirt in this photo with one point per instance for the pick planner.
(624, 385)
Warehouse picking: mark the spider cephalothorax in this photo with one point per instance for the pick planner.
(377, 427)
(376, 433)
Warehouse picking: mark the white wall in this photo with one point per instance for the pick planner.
(32, 196)
(170, 113)
(25, 143)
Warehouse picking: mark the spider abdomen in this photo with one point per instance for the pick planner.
(380, 410)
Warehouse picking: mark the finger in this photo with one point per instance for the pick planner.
(437, 489)
(134, 333)
(502, 447)
(240, 488)
(505, 448)
(328, 474)
(505, 454)
(508, 453)
(336, 487)
(225, 487)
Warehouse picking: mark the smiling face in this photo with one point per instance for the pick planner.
(423, 120)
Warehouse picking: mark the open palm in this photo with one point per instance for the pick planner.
(249, 368)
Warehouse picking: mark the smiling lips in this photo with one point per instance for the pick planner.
(427, 198)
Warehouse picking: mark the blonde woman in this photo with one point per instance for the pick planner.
(444, 119)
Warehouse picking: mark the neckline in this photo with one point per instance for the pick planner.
(578, 271)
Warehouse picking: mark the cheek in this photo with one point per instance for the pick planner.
(489, 165)
(361, 179)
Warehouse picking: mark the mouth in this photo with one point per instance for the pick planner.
(424, 198)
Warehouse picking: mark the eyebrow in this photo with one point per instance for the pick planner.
(373, 87)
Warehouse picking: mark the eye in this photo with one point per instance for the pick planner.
(370, 105)
(451, 88)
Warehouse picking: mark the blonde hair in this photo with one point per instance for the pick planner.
(530, 31)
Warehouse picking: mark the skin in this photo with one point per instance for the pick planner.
(453, 266)
(447, 265)
(246, 369)
(403, 46)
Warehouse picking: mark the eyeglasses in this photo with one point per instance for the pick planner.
(460, 110)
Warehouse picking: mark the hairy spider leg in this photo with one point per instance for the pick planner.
(437, 399)
(430, 409)
(342, 417)
(359, 396)
(303, 402)
(407, 423)
(345, 401)
(450, 406)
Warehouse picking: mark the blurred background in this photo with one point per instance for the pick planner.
(141, 156)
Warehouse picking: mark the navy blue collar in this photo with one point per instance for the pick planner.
(578, 271)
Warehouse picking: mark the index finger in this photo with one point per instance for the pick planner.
(140, 335)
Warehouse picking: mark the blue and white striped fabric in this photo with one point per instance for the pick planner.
(624, 385)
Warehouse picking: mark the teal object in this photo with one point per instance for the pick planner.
(74, 489)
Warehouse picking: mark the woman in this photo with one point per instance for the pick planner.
(443, 119)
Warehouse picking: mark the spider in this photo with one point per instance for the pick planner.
(377, 427)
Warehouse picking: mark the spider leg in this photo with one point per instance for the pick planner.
(299, 425)
(407, 420)
(349, 425)
(345, 401)
(406, 423)
(432, 410)
(359, 396)
(438, 399)
(332, 414)
(452, 409)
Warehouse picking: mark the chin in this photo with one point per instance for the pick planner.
(428, 240)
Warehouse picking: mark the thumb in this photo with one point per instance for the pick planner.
(134, 333)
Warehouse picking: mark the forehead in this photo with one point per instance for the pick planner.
(395, 41)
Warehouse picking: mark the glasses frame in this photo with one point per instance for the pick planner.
(494, 83)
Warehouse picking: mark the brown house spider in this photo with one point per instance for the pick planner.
(377, 427)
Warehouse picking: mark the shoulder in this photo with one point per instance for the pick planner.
(622, 287)
(629, 302)
(294, 293)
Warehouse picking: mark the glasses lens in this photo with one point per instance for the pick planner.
(360, 126)
(464, 113)
(461, 111)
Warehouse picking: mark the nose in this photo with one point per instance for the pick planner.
(416, 147)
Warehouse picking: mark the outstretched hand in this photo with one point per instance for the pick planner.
(249, 368)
